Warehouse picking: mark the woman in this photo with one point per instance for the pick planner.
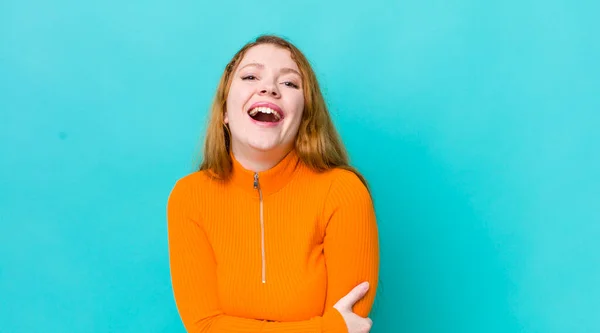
(275, 232)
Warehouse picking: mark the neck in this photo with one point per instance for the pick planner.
(257, 160)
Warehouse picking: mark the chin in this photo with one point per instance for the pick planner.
(263, 146)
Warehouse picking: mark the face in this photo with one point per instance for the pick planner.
(265, 101)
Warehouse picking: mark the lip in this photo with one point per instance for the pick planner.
(269, 105)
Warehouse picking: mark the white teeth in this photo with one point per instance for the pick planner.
(263, 109)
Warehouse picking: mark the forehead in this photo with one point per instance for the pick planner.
(269, 56)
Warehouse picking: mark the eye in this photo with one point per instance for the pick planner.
(249, 77)
(291, 84)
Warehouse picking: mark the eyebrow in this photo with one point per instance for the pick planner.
(284, 70)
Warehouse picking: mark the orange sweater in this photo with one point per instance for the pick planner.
(273, 251)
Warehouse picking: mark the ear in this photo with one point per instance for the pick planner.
(225, 118)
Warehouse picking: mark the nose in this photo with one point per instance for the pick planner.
(269, 89)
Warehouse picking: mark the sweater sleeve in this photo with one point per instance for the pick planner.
(351, 244)
(194, 280)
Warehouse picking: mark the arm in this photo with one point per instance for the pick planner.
(351, 243)
(193, 276)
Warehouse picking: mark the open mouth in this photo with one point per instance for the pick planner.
(264, 114)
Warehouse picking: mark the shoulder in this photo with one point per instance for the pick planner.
(192, 183)
(333, 179)
(345, 179)
(346, 176)
(346, 186)
(348, 196)
(192, 179)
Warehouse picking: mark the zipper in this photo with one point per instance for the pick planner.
(262, 226)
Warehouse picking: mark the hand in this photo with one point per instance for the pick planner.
(355, 323)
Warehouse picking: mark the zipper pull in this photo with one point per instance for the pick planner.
(256, 180)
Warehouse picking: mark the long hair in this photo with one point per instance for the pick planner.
(318, 143)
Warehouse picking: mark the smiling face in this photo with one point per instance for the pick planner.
(265, 101)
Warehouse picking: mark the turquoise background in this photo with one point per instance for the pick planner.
(475, 122)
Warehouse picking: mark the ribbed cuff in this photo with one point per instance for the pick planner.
(333, 322)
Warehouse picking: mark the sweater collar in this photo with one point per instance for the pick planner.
(269, 181)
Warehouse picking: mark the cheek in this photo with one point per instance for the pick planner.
(297, 104)
(238, 95)
(299, 112)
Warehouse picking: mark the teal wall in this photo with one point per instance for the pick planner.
(476, 123)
